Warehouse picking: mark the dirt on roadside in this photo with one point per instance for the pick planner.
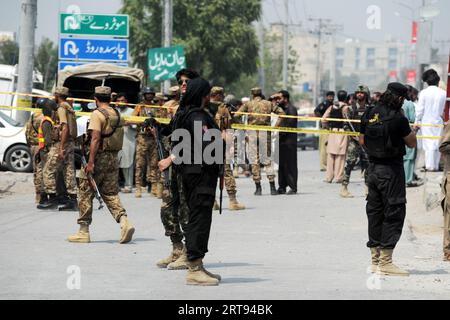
(13, 183)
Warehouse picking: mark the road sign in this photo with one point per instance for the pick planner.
(164, 63)
(94, 24)
(63, 64)
(93, 49)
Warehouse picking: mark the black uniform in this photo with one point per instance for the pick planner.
(386, 201)
(288, 171)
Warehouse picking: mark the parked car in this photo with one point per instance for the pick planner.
(308, 140)
(14, 152)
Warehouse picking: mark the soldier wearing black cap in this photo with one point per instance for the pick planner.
(385, 132)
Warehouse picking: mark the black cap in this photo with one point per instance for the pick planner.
(148, 90)
(330, 93)
(398, 89)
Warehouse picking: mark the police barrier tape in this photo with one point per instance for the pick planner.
(138, 120)
(299, 118)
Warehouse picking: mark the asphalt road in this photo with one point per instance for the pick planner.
(309, 246)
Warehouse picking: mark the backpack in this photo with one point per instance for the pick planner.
(112, 141)
(377, 138)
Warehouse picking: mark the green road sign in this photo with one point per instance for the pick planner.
(94, 24)
(164, 63)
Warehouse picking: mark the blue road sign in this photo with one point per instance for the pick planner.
(80, 49)
(63, 64)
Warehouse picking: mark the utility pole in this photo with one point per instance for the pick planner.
(261, 71)
(168, 31)
(332, 29)
(285, 45)
(28, 18)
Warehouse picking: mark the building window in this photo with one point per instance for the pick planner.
(357, 53)
(392, 64)
(370, 58)
(357, 64)
(393, 52)
(340, 52)
(339, 63)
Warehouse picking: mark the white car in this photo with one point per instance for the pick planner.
(14, 152)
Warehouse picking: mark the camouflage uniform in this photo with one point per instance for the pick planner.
(31, 135)
(145, 150)
(258, 105)
(53, 164)
(445, 150)
(354, 151)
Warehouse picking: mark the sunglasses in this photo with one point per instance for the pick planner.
(181, 82)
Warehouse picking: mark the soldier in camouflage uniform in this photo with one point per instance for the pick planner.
(354, 150)
(31, 134)
(106, 141)
(259, 105)
(61, 155)
(223, 119)
(145, 143)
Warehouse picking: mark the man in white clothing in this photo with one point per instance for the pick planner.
(430, 110)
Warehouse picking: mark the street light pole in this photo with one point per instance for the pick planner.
(168, 33)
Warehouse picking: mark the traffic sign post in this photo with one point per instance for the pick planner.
(94, 25)
(114, 50)
(164, 63)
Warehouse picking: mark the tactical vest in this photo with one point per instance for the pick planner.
(377, 137)
(41, 137)
(336, 113)
(113, 140)
(34, 132)
(71, 121)
(356, 113)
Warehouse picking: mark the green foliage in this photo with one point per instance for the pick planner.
(46, 62)
(9, 52)
(218, 36)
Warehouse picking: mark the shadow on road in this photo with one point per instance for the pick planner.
(132, 242)
(231, 264)
(242, 280)
(428, 272)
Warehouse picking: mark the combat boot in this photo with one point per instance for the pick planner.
(71, 204)
(43, 198)
(197, 275)
(159, 190)
(126, 230)
(82, 236)
(386, 267)
(50, 204)
(216, 206)
(258, 191)
(154, 189)
(138, 193)
(181, 263)
(375, 253)
(234, 204)
(177, 251)
(345, 193)
(273, 189)
(37, 199)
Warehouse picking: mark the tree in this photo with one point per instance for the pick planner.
(46, 62)
(9, 52)
(219, 39)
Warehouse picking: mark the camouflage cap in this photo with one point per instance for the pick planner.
(103, 90)
(173, 91)
(160, 97)
(217, 90)
(256, 90)
(62, 91)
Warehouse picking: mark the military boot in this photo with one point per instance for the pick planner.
(177, 251)
(82, 236)
(43, 198)
(37, 199)
(50, 204)
(386, 267)
(197, 276)
(258, 191)
(345, 193)
(375, 253)
(234, 204)
(159, 190)
(71, 204)
(273, 189)
(216, 206)
(126, 230)
(138, 193)
(181, 263)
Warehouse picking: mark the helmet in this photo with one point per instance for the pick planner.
(148, 90)
(40, 103)
(363, 89)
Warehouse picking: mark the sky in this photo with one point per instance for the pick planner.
(351, 14)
